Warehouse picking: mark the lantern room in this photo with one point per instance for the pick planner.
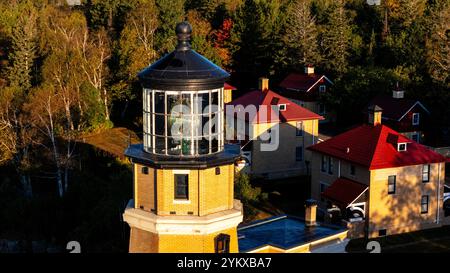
(183, 102)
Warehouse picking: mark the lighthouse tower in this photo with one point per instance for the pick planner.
(183, 173)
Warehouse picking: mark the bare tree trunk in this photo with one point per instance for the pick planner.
(105, 102)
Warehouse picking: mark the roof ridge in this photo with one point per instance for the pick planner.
(382, 126)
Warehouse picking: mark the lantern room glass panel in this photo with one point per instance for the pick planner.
(183, 123)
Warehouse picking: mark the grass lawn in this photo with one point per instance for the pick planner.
(430, 240)
(113, 141)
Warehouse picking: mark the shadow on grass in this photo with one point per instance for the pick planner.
(429, 240)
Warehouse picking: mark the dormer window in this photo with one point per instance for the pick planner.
(282, 107)
(416, 119)
(322, 88)
(401, 147)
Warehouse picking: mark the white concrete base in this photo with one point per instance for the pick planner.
(183, 225)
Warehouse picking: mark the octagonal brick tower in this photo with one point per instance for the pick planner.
(183, 173)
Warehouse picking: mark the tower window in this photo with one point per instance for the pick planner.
(144, 170)
(222, 242)
(217, 170)
(181, 186)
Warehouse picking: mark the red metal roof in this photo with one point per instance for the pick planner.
(301, 82)
(394, 108)
(229, 87)
(374, 147)
(269, 98)
(344, 191)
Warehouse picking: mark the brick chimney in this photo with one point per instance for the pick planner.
(309, 69)
(310, 212)
(375, 113)
(398, 93)
(263, 84)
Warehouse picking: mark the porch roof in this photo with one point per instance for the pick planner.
(344, 191)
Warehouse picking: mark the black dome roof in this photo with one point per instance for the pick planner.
(183, 69)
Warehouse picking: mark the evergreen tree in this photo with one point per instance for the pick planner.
(256, 37)
(171, 12)
(336, 40)
(24, 42)
(301, 35)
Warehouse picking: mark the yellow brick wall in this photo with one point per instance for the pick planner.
(142, 241)
(144, 188)
(216, 191)
(166, 194)
(283, 158)
(195, 243)
(208, 192)
(401, 212)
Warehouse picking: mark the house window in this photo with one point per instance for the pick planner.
(391, 184)
(424, 204)
(415, 137)
(382, 232)
(416, 119)
(323, 187)
(299, 131)
(352, 170)
(322, 88)
(322, 109)
(222, 242)
(401, 147)
(330, 165)
(144, 170)
(324, 164)
(299, 153)
(181, 186)
(282, 107)
(426, 173)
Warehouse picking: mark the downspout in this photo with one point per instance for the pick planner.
(438, 193)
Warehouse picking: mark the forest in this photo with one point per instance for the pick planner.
(66, 71)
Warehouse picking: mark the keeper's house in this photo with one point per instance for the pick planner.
(378, 181)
